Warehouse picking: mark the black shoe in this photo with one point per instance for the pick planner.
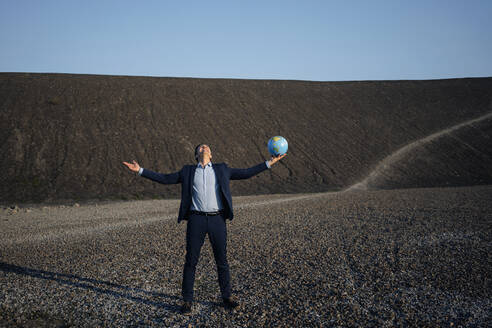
(230, 303)
(186, 308)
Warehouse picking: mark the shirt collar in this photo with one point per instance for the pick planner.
(200, 164)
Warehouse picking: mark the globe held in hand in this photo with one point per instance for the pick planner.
(277, 146)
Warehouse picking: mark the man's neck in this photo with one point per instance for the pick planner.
(204, 161)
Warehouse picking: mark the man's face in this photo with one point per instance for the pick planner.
(204, 150)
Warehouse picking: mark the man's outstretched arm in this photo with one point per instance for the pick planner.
(238, 174)
(154, 176)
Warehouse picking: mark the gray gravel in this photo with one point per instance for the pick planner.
(417, 257)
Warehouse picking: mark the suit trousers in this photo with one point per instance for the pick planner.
(197, 227)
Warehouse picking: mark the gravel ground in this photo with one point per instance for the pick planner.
(417, 257)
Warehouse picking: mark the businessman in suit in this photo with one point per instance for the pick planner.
(206, 203)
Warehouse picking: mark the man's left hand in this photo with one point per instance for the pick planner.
(275, 159)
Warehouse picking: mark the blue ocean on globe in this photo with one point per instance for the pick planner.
(277, 146)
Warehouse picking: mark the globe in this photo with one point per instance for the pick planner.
(277, 146)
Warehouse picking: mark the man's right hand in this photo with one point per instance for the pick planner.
(133, 166)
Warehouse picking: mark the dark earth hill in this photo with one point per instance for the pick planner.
(63, 137)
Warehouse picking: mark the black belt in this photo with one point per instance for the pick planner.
(207, 213)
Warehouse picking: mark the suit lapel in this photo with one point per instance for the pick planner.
(192, 178)
(218, 174)
(218, 169)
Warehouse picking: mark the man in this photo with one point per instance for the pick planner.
(206, 203)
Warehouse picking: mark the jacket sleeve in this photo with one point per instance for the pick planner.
(171, 178)
(239, 174)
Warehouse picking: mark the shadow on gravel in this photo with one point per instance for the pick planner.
(86, 283)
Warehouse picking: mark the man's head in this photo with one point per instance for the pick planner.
(202, 151)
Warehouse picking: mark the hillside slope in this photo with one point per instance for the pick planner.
(457, 156)
(64, 136)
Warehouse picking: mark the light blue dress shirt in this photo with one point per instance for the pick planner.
(206, 191)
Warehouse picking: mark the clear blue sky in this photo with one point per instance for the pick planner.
(300, 40)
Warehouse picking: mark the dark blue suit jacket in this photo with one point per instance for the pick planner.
(185, 176)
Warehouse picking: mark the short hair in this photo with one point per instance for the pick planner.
(196, 150)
